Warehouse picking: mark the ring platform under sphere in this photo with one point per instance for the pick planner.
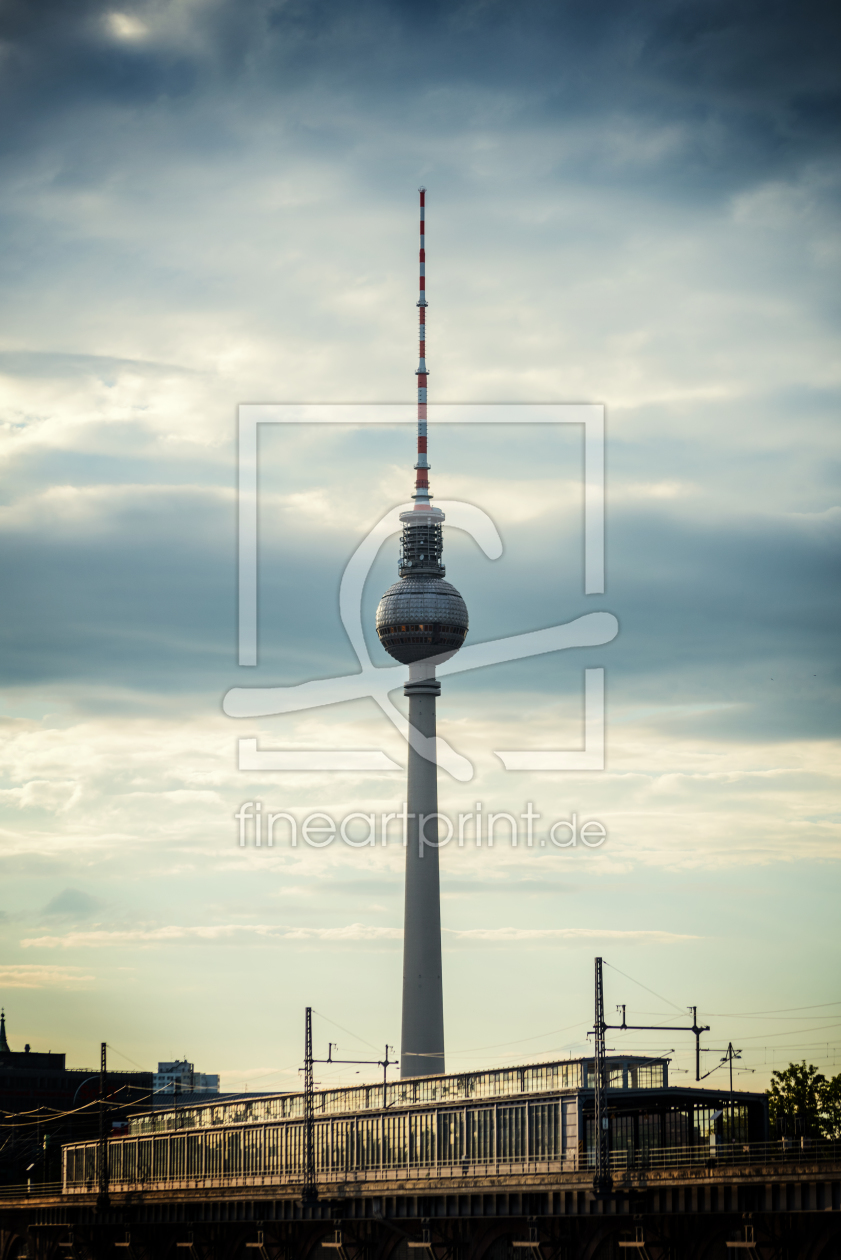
(420, 617)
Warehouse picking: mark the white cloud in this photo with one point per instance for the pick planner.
(99, 939)
(165, 790)
(550, 935)
(354, 932)
(35, 976)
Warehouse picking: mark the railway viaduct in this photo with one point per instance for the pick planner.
(765, 1208)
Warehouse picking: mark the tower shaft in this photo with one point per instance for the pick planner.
(422, 1039)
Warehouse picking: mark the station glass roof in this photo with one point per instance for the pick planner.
(625, 1072)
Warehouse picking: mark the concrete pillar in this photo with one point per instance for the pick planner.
(422, 1038)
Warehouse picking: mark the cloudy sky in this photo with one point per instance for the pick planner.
(207, 204)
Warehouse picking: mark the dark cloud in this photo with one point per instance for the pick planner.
(64, 54)
(753, 86)
(142, 600)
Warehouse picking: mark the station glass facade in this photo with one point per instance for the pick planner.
(485, 1134)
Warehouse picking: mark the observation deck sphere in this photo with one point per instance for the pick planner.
(419, 617)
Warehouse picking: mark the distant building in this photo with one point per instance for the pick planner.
(31, 1080)
(181, 1077)
(47, 1103)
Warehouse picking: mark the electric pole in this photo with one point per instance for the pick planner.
(729, 1056)
(102, 1197)
(310, 1191)
(602, 1181)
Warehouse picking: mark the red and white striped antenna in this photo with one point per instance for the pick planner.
(422, 496)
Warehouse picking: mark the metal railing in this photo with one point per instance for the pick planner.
(30, 1189)
(727, 1154)
(720, 1156)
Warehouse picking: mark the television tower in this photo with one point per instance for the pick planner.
(422, 620)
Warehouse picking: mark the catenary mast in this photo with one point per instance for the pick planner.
(422, 620)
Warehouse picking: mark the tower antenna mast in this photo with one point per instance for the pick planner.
(421, 495)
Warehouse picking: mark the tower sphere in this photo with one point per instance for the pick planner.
(421, 615)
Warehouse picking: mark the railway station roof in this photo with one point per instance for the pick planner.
(624, 1072)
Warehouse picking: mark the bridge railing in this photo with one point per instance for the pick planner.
(626, 1162)
(726, 1154)
(43, 1189)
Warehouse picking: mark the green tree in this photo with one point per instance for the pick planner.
(830, 1119)
(795, 1100)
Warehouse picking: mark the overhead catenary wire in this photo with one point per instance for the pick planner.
(260, 1076)
(47, 1116)
(521, 1040)
(94, 1102)
(761, 1014)
(127, 1058)
(668, 1001)
(782, 1010)
(344, 1030)
(787, 1032)
(572, 1046)
(822, 1052)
